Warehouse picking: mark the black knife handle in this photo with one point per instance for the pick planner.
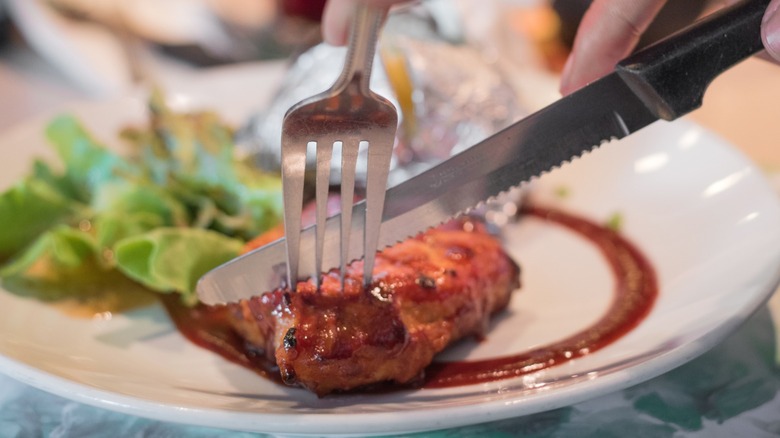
(672, 75)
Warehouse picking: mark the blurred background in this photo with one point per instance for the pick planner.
(53, 52)
(100, 44)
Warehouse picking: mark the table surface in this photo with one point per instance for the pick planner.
(736, 396)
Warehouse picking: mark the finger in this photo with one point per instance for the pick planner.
(609, 31)
(338, 14)
(335, 21)
(770, 30)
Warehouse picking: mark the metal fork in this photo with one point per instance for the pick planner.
(349, 113)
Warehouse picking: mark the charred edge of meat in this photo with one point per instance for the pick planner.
(289, 339)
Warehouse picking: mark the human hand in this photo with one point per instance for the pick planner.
(611, 29)
(770, 30)
(338, 15)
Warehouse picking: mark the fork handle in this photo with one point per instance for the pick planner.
(363, 37)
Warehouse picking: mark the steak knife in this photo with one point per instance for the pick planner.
(663, 81)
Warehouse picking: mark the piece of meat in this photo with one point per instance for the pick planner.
(426, 293)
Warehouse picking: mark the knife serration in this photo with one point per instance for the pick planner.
(604, 110)
(665, 80)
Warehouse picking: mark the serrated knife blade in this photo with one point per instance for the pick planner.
(664, 81)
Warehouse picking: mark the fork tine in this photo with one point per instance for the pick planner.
(293, 170)
(324, 154)
(349, 154)
(379, 154)
(347, 113)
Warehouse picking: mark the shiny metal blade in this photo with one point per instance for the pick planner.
(324, 154)
(380, 151)
(349, 153)
(604, 110)
(293, 169)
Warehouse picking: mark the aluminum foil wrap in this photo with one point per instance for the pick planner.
(453, 97)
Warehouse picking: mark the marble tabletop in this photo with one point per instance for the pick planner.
(732, 390)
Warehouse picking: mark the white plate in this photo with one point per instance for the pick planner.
(699, 210)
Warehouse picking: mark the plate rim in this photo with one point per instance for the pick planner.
(275, 423)
(383, 422)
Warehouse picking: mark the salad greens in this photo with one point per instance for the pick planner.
(615, 222)
(178, 205)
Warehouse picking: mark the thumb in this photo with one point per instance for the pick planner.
(335, 21)
(770, 30)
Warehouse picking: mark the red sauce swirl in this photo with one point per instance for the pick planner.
(636, 289)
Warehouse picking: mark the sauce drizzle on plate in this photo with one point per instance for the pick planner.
(636, 289)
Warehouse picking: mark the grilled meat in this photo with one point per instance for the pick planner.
(426, 293)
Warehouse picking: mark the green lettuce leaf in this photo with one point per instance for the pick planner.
(193, 155)
(62, 246)
(129, 197)
(88, 165)
(43, 173)
(51, 259)
(194, 148)
(64, 264)
(28, 209)
(261, 196)
(173, 259)
(179, 205)
(110, 228)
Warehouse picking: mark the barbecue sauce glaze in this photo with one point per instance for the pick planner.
(636, 289)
